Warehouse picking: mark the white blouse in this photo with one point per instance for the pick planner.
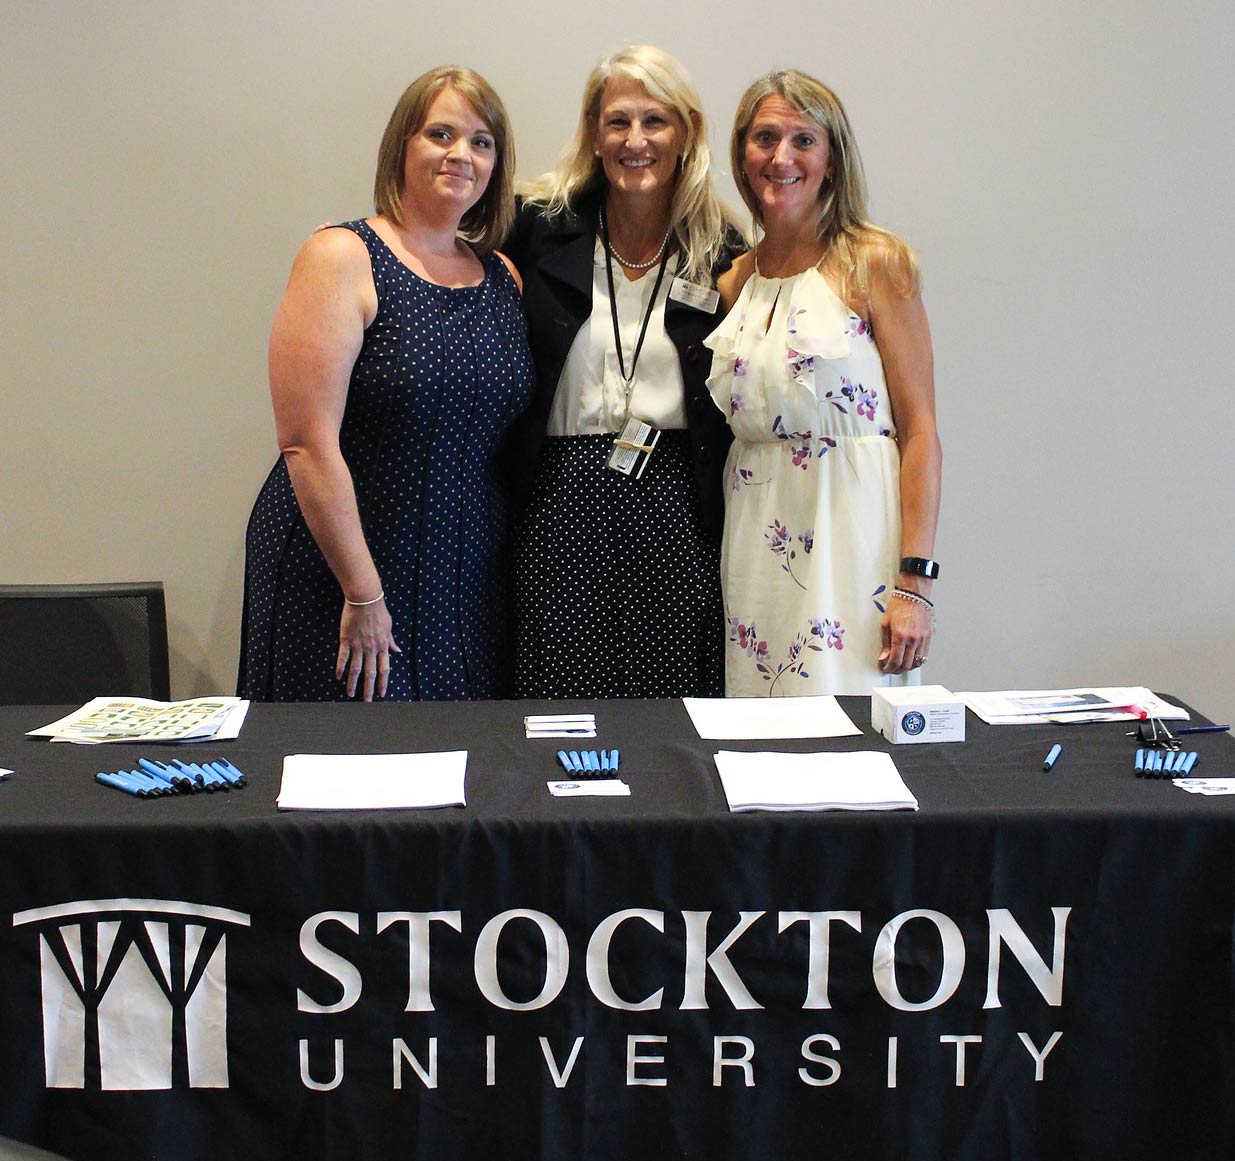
(591, 397)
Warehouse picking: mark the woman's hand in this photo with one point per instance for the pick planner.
(908, 627)
(365, 646)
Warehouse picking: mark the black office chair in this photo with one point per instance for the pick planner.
(64, 644)
(11, 1150)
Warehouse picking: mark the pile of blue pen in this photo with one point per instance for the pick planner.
(1164, 763)
(588, 763)
(156, 779)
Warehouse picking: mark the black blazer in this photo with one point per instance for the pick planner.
(554, 258)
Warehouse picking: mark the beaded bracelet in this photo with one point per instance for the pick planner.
(361, 604)
(910, 595)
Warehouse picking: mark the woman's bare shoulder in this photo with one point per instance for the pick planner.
(731, 282)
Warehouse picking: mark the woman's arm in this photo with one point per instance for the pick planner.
(317, 335)
(904, 338)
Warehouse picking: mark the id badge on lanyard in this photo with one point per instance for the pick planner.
(633, 447)
(637, 440)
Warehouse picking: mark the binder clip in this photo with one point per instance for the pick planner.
(1152, 732)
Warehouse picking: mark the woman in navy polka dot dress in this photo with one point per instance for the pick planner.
(376, 553)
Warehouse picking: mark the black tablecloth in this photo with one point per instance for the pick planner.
(1031, 965)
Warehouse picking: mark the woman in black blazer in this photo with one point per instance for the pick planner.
(616, 588)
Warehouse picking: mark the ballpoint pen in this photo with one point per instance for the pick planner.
(118, 783)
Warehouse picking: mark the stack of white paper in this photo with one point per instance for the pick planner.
(861, 780)
(1020, 707)
(138, 719)
(372, 781)
(818, 716)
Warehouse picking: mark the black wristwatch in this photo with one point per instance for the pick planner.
(920, 566)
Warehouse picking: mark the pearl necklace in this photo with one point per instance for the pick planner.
(633, 265)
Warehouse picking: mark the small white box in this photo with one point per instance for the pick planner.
(918, 713)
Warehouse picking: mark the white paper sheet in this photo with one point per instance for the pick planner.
(857, 780)
(734, 718)
(1027, 707)
(373, 781)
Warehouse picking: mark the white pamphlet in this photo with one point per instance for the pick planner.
(858, 780)
(734, 718)
(373, 781)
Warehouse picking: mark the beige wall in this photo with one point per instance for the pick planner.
(1064, 170)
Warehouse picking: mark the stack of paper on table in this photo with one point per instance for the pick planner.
(138, 719)
(373, 781)
(862, 780)
(819, 716)
(1021, 707)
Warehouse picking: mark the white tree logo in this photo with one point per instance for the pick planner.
(134, 993)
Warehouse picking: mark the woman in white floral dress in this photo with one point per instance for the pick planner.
(824, 368)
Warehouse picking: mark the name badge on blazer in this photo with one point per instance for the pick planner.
(702, 298)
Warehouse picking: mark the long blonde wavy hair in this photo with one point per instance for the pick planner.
(850, 239)
(697, 218)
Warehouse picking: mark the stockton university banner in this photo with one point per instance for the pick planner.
(957, 984)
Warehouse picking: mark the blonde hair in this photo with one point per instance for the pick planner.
(850, 239)
(488, 222)
(697, 218)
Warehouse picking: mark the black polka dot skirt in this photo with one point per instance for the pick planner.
(616, 586)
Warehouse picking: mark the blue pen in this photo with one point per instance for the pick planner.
(182, 782)
(1203, 729)
(162, 783)
(604, 760)
(1191, 761)
(1140, 760)
(144, 788)
(576, 763)
(199, 776)
(116, 783)
(1158, 762)
(234, 776)
(1052, 757)
(615, 759)
(1174, 761)
(212, 776)
(141, 778)
(196, 770)
(193, 773)
(222, 770)
(564, 759)
(158, 773)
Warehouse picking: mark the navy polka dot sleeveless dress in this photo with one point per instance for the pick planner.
(441, 375)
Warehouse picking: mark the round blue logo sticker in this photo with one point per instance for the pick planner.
(913, 723)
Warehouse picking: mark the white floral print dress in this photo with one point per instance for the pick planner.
(812, 507)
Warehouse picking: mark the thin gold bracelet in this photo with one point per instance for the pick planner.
(361, 604)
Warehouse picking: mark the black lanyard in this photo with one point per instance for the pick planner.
(643, 330)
